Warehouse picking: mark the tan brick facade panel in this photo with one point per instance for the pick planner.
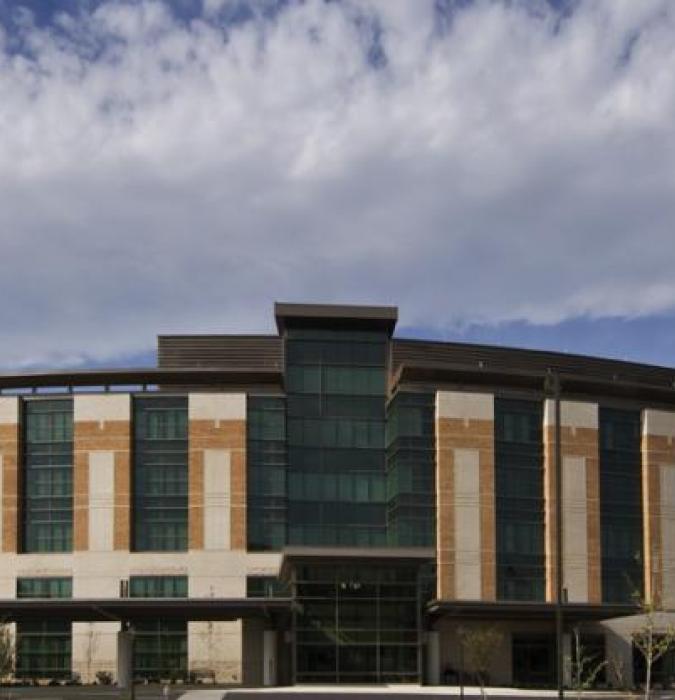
(9, 478)
(465, 496)
(581, 501)
(658, 497)
(102, 427)
(217, 425)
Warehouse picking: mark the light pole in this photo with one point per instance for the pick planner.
(559, 542)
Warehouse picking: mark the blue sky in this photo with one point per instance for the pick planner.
(503, 171)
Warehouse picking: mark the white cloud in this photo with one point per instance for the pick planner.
(164, 176)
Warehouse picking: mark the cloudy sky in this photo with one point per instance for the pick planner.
(502, 170)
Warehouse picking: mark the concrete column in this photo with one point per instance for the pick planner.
(9, 473)
(253, 643)
(270, 657)
(124, 659)
(465, 496)
(94, 648)
(433, 670)
(580, 503)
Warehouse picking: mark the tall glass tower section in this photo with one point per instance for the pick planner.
(335, 387)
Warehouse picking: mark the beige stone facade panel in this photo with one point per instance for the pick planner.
(217, 435)
(90, 438)
(658, 454)
(579, 444)
(465, 517)
(10, 450)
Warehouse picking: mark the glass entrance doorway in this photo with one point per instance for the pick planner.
(357, 623)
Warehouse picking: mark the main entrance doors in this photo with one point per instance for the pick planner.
(357, 623)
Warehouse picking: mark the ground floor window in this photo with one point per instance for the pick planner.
(161, 650)
(43, 649)
(533, 659)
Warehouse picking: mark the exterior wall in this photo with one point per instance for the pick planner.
(9, 470)
(658, 493)
(102, 472)
(465, 496)
(216, 564)
(211, 645)
(580, 503)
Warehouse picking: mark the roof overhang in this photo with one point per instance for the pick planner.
(572, 384)
(382, 318)
(143, 377)
(339, 555)
(118, 609)
(525, 610)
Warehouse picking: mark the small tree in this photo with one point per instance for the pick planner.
(652, 641)
(6, 651)
(585, 665)
(479, 645)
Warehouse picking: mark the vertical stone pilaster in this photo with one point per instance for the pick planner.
(217, 471)
(101, 472)
(658, 498)
(580, 503)
(465, 496)
(9, 477)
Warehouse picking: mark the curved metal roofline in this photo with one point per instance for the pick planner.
(139, 377)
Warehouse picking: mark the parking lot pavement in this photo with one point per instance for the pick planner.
(156, 692)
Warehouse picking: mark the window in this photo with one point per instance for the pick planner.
(48, 476)
(519, 491)
(336, 385)
(52, 587)
(158, 586)
(160, 474)
(266, 472)
(411, 471)
(43, 647)
(160, 646)
(620, 505)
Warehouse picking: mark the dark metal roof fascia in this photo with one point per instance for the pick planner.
(571, 383)
(528, 610)
(337, 316)
(92, 609)
(141, 377)
(418, 352)
(379, 555)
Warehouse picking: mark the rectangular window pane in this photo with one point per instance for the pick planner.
(160, 474)
(266, 473)
(48, 476)
(519, 491)
(43, 647)
(620, 505)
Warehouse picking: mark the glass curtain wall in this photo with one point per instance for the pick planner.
(357, 624)
(411, 473)
(160, 474)
(620, 505)
(519, 491)
(43, 647)
(266, 460)
(335, 384)
(160, 646)
(48, 476)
